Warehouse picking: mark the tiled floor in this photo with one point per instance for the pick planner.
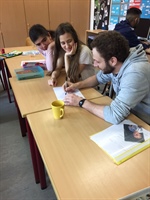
(16, 172)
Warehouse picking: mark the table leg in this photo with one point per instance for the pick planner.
(33, 154)
(5, 79)
(41, 168)
(21, 121)
(8, 73)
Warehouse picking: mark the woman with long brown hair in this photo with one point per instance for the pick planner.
(72, 54)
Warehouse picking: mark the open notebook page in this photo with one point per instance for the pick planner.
(60, 93)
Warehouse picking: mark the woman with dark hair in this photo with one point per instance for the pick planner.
(44, 40)
(71, 53)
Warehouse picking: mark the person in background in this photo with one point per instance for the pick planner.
(72, 54)
(127, 69)
(126, 27)
(44, 41)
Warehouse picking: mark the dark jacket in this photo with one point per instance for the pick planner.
(128, 32)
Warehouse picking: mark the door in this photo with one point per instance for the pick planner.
(80, 17)
(59, 11)
(36, 12)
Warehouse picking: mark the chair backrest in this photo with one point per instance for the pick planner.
(29, 42)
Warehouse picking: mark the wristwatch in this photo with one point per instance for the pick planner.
(81, 102)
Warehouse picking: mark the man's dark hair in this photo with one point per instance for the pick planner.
(135, 11)
(132, 13)
(38, 30)
(111, 44)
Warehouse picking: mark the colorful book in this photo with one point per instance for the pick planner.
(33, 63)
(29, 73)
(122, 141)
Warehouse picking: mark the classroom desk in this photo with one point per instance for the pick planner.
(34, 95)
(15, 62)
(77, 167)
(9, 64)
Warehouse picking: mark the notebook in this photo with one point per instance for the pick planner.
(122, 141)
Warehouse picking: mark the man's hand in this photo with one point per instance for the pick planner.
(69, 87)
(72, 100)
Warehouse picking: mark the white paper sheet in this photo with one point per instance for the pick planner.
(31, 52)
(60, 93)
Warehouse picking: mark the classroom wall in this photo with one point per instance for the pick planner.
(17, 16)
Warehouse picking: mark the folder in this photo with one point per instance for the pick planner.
(122, 141)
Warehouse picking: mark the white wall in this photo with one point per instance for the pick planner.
(92, 15)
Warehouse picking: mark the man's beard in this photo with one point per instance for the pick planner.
(108, 69)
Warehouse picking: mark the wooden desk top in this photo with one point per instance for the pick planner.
(21, 48)
(95, 31)
(15, 62)
(77, 167)
(35, 95)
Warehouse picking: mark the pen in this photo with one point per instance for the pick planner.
(66, 85)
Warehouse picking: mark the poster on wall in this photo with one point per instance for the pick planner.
(107, 13)
(101, 14)
(119, 9)
(135, 3)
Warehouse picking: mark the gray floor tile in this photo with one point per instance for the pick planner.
(16, 173)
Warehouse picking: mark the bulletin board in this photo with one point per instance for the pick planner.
(108, 12)
(101, 14)
(119, 9)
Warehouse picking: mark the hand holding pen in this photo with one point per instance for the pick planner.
(69, 87)
(65, 86)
